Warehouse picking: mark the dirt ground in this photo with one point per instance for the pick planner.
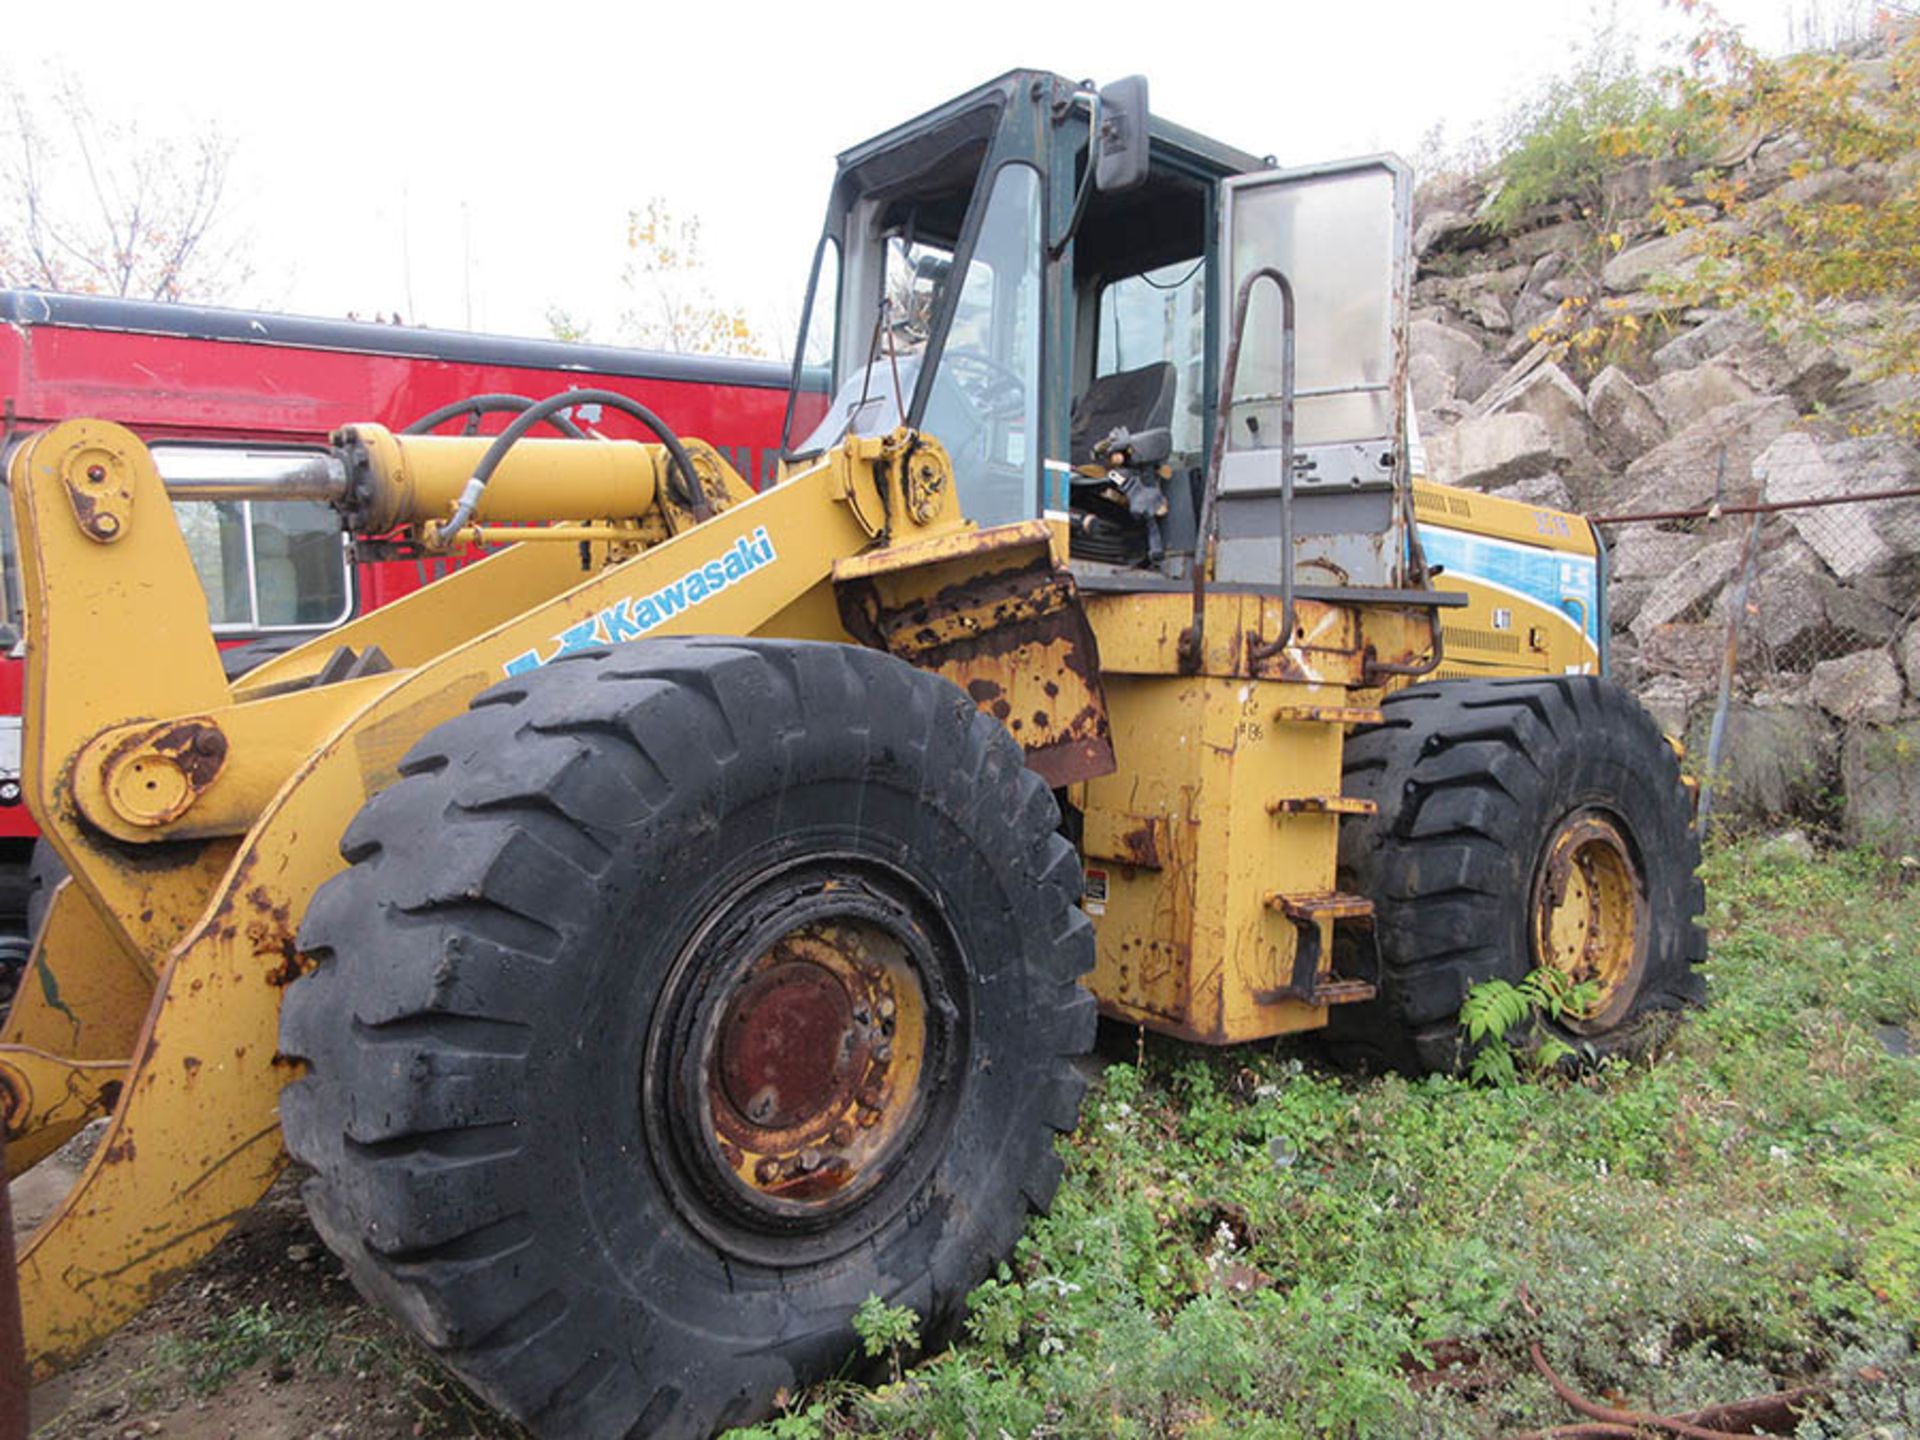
(207, 1362)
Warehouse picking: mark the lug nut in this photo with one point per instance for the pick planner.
(97, 473)
(767, 1171)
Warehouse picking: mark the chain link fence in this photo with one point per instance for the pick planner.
(1778, 638)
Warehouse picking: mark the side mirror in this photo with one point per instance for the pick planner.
(1120, 149)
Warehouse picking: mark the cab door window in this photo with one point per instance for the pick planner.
(984, 402)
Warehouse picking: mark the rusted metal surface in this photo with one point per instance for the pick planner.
(1768, 507)
(39, 1091)
(154, 777)
(1005, 624)
(1193, 640)
(816, 1058)
(99, 492)
(1590, 915)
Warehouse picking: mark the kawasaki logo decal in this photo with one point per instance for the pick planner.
(634, 616)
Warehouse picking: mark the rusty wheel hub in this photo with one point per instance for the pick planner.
(1590, 916)
(800, 1054)
(816, 1061)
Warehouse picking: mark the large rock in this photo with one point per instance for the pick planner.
(1776, 762)
(1557, 403)
(1798, 614)
(1808, 374)
(1431, 382)
(1690, 395)
(1689, 649)
(1670, 701)
(1875, 544)
(1640, 552)
(1909, 651)
(1623, 417)
(1670, 255)
(1490, 450)
(1880, 774)
(1451, 349)
(1864, 687)
(1713, 456)
(1706, 340)
(1548, 490)
(1687, 593)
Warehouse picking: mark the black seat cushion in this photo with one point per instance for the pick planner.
(1139, 400)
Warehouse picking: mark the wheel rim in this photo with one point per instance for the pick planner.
(800, 1068)
(1590, 916)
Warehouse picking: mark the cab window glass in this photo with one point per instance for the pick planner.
(984, 403)
(264, 564)
(1160, 317)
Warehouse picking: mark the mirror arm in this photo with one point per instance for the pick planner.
(1059, 247)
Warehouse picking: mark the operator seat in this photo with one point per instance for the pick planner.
(1135, 400)
(1121, 430)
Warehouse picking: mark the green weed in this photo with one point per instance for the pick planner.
(1246, 1244)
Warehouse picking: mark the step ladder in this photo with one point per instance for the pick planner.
(1322, 916)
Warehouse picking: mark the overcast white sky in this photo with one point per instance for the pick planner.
(474, 163)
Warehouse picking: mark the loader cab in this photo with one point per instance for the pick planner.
(1065, 339)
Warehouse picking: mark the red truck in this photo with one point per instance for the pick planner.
(217, 391)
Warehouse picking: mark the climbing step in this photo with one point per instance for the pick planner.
(1327, 905)
(1321, 805)
(1328, 715)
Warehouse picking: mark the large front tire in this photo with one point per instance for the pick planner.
(679, 997)
(1522, 824)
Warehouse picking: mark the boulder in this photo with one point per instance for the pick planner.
(1670, 701)
(1451, 349)
(1880, 774)
(1687, 592)
(1641, 552)
(1476, 377)
(1432, 383)
(1631, 269)
(1700, 344)
(1875, 544)
(1442, 226)
(1624, 599)
(1688, 649)
(1776, 761)
(1557, 403)
(1490, 450)
(1549, 490)
(1862, 687)
(1909, 652)
(1624, 419)
(1798, 617)
(1809, 375)
(1488, 312)
(1713, 456)
(1690, 395)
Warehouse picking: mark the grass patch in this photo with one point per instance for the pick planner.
(1246, 1244)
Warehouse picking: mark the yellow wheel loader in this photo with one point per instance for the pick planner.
(666, 933)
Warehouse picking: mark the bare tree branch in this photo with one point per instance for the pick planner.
(92, 204)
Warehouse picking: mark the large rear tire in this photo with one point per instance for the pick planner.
(679, 997)
(1522, 824)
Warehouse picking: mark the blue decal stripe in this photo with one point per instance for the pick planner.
(1547, 577)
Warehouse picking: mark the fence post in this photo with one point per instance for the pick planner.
(1729, 659)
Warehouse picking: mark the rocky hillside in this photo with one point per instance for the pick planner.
(1556, 363)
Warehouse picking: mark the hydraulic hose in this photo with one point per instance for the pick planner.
(695, 495)
(490, 404)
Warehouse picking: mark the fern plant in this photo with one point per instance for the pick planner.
(1504, 1023)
